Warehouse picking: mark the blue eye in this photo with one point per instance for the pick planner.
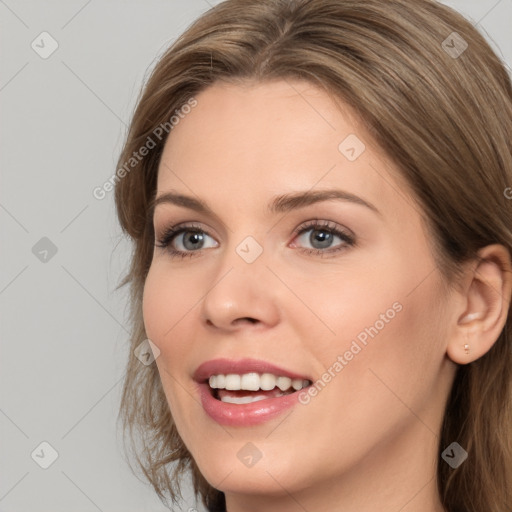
(189, 240)
(322, 235)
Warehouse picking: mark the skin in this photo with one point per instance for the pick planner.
(368, 440)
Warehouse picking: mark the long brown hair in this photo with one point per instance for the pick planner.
(437, 99)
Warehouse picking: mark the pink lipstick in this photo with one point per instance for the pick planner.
(248, 391)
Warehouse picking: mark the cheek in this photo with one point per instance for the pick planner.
(165, 316)
(170, 305)
(390, 373)
(166, 299)
(167, 306)
(386, 320)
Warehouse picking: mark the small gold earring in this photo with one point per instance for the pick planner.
(466, 348)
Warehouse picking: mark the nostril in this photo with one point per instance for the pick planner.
(248, 319)
(236, 321)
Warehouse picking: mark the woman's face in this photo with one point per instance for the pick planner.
(340, 290)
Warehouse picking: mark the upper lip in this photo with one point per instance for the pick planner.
(239, 367)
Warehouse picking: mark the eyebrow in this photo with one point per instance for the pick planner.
(279, 204)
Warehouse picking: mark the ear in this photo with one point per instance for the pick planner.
(485, 305)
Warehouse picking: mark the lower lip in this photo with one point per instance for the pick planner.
(245, 415)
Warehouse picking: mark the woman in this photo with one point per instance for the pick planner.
(317, 196)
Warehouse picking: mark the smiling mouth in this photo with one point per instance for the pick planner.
(253, 387)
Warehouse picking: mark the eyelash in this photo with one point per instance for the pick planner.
(171, 233)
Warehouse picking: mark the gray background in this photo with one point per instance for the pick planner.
(63, 335)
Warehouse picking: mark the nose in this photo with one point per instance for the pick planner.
(242, 294)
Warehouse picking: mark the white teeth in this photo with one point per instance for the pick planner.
(296, 383)
(254, 382)
(267, 381)
(284, 383)
(233, 382)
(221, 381)
(242, 399)
(250, 381)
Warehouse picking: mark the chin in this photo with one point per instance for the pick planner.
(227, 471)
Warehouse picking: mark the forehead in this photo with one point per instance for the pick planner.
(245, 141)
